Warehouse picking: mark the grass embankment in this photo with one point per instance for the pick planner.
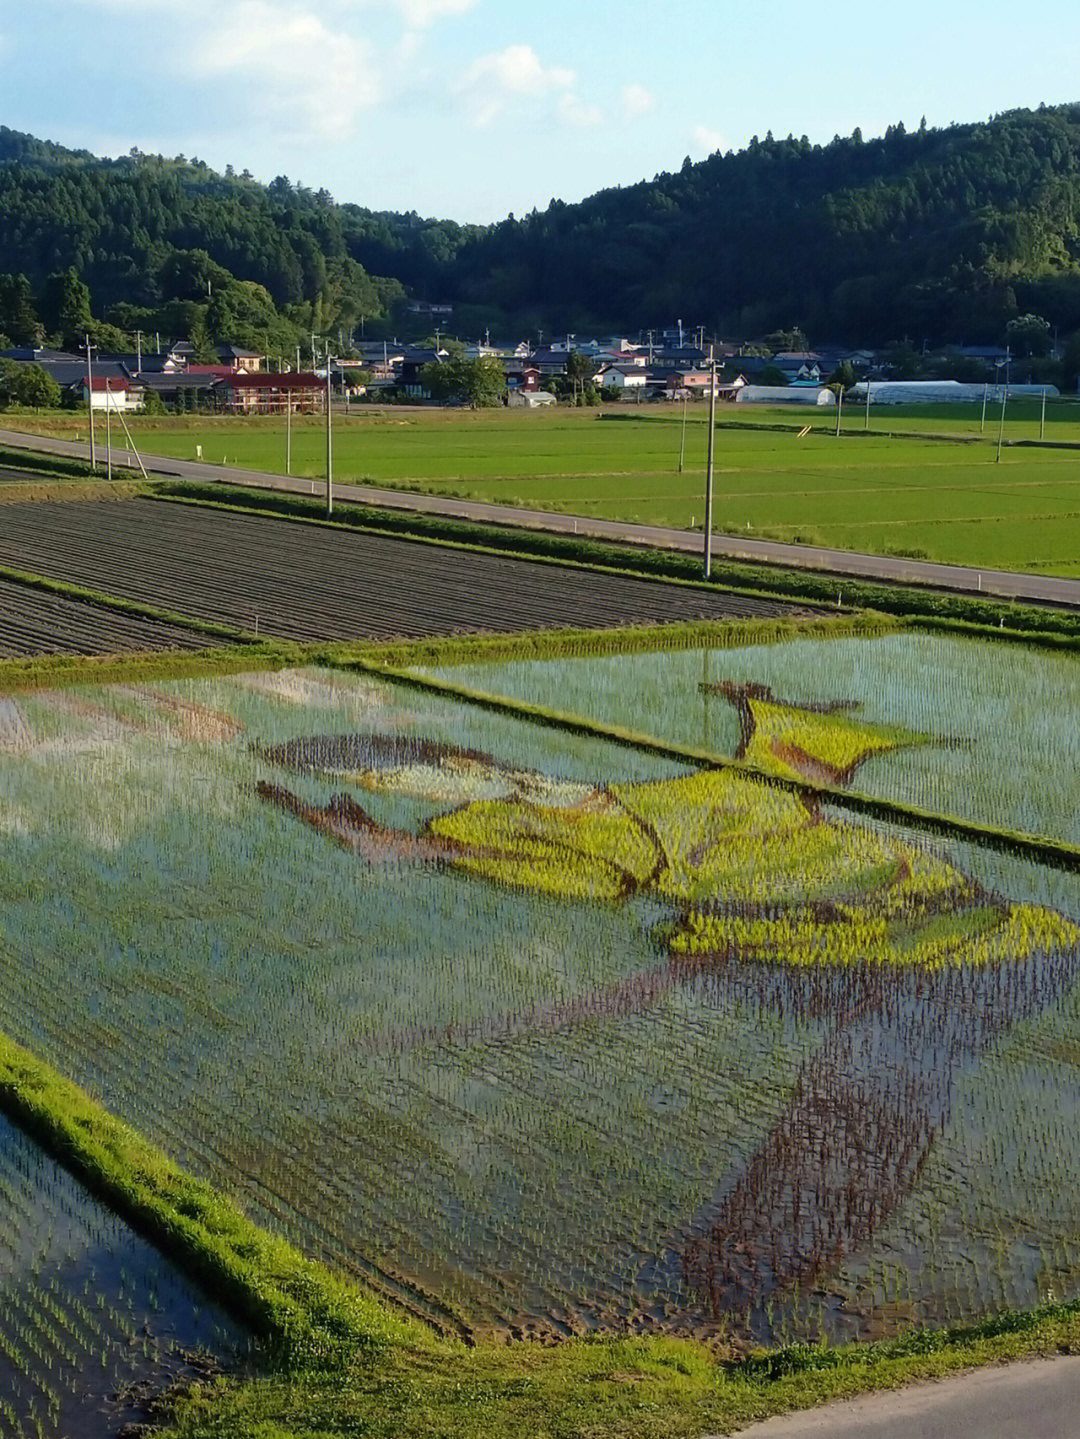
(26, 476)
(335, 1361)
(976, 614)
(236, 652)
(1048, 851)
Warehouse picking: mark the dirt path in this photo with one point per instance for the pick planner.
(1031, 1399)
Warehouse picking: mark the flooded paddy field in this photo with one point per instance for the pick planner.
(540, 1034)
(94, 1323)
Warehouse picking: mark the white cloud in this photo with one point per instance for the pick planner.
(517, 72)
(289, 65)
(419, 13)
(576, 113)
(708, 140)
(636, 100)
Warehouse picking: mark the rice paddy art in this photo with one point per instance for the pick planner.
(537, 1033)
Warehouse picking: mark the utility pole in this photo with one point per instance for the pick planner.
(288, 432)
(839, 407)
(682, 442)
(709, 462)
(90, 403)
(138, 352)
(1042, 421)
(329, 444)
(108, 432)
(866, 426)
(982, 422)
(1001, 427)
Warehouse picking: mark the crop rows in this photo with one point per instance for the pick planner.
(303, 582)
(34, 622)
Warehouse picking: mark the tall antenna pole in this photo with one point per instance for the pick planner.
(90, 404)
(709, 463)
(329, 445)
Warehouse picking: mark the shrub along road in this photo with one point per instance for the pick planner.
(1041, 588)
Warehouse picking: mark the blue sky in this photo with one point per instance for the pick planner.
(472, 109)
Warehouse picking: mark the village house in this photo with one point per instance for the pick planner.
(247, 394)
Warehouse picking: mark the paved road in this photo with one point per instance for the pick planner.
(1003, 583)
(1031, 1399)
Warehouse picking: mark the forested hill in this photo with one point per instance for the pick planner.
(935, 234)
(169, 242)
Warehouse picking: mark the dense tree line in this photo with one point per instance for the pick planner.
(170, 244)
(942, 235)
(937, 235)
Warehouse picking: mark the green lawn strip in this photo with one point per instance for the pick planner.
(307, 1315)
(127, 607)
(805, 586)
(48, 671)
(1042, 848)
(629, 639)
(602, 1388)
(54, 466)
(33, 672)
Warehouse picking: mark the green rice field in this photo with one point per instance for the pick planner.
(993, 735)
(923, 482)
(538, 1034)
(92, 1318)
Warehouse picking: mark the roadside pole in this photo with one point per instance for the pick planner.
(1042, 420)
(839, 407)
(709, 463)
(1001, 427)
(108, 431)
(682, 442)
(288, 432)
(90, 403)
(982, 422)
(329, 444)
(866, 424)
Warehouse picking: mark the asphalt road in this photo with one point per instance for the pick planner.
(1030, 1399)
(1002, 583)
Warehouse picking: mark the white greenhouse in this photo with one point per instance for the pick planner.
(784, 395)
(941, 392)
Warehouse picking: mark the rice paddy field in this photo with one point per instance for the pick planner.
(990, 729)
(540, 1035)
(921, 482)
(92, 1319)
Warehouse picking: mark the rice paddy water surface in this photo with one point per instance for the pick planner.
(539, 1033)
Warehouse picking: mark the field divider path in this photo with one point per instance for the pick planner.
(1003, 583)
(1038, 847)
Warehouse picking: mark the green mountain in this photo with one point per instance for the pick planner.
(938, 234)
(942, 235)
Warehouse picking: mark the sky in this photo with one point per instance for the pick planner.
(474, 109)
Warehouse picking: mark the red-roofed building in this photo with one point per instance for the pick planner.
(305, 394)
